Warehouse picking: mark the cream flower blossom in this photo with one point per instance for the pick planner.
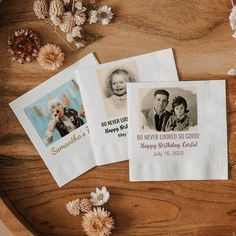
(100, 197)
(104, 15)
(232, 71)
(98, 222)
(232, 18)
(93, 17)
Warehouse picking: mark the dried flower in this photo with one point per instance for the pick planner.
(68, 22)
(73, 207)
(232, 18)
(51, 57)
(56, 8)
(232, 71)
(104, 15)
(69, 37)
(80, 18)
(79, 44)
(79, 6)
(56, 20)
(93, 17)
(98, 222)
(66, 2)
(85, 205)
(76, 32)
(100, 197)
(23, 45)
(40, 8)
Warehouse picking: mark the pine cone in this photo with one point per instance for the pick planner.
(56, 8)
(23, 45)
(40, 8)
(85, 205)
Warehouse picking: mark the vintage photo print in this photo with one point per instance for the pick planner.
(168, 109)
(58, 113)
(113, 82)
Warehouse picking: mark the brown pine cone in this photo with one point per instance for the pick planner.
(24, 45)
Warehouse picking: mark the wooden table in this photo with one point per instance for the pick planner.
(200, 35)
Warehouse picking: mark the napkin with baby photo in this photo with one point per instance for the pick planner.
(104, 94)
(177, 131)
(53, 116)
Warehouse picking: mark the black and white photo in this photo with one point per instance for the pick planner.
(168, 109)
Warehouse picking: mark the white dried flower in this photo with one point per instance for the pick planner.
(69, 37)
(232, 18)
(76, 32)
(66, 2)
(100, 197)
(234, 34)
(79, 6)
(93, 17)
(232, 71)
(105, 15)
(73, 207)
(55, 20)
(79, 45)
(68, 22)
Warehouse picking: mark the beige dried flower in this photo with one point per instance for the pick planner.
(76, 32)
(40, 8)
(80, 18)
(56, 8)
(69, 37)
(51, 57)
(98, 222)
(73, 207)
(67, 23)
(55, 20)
(85, 205)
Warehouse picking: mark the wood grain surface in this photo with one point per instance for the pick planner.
(200, 35)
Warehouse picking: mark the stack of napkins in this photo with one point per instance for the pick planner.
(135, 108)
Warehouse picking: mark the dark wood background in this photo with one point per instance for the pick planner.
(199, 33)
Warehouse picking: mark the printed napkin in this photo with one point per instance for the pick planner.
(104, 94)
(53, 116)
(177, 131)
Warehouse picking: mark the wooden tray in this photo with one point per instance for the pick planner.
(204, 49)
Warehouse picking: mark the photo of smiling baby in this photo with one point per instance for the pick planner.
(113, 82)
(164, 110)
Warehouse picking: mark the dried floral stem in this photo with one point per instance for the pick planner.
(55, 30)
(232, 2)
(73, 6)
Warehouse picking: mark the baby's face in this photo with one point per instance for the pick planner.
(57, 108)
(118, 84)
(179, 110)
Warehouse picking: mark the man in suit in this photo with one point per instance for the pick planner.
(156, 117)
